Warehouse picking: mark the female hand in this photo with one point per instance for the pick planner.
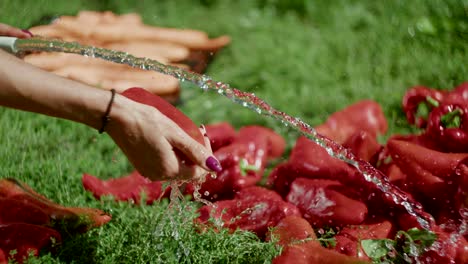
(9, 31)
(156, 145)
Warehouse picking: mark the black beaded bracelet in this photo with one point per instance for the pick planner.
(106, 117)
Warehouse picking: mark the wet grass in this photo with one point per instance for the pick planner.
(308, 59)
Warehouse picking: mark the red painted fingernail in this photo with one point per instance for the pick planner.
(213, 164)
(28, 32)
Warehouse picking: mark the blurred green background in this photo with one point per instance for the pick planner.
(307, 58)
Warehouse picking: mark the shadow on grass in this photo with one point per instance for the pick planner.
(78, 249)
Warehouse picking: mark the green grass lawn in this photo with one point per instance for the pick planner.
(307, 58)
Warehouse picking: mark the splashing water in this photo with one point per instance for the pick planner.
(245, 99)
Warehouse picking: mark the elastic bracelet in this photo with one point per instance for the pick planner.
(106, 117)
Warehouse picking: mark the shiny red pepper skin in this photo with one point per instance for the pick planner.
(3, 257)
(275, 143)
(365, 115)
(25, 239)
(415, 96)
(423, 165)
(17, 211)
(348, 240)
(459, 95)
(452, 139)
(299, 246)
(126, 188)
(451, 248)
(308, 160)
(74, 219)
(326, 203)
(220, 135)
(462, 182)
(363, 146)
(291, 229)
(254, 209)
(431, 175)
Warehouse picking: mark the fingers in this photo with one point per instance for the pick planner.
(195, 151)
(6, 30)
(206, 138)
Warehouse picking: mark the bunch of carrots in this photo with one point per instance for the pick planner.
(185, 48)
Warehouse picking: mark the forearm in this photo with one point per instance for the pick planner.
(28, 88)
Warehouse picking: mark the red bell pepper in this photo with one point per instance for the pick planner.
(255, 209)
(3, 258)
(220, 135)
(257, 193)
(430, 173)
(326, 203)
(275, 143)
(241, 168)
(72, 219)
(431, 176)
(25, 239)
(348, 240)
(448, 127)
(365, 115)
(308, 160)
(127, 188)
(363, 146)
(459, 95)
(309, 253)
(462, 182)
(421, 139)
(448, 248)
(243, 162)
(143, 96)
(418, 102)
(290, 231)
(19, 211)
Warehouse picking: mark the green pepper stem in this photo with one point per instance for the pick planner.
(245, 166)
(452, 119)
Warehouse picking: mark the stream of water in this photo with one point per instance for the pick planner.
(248, 100)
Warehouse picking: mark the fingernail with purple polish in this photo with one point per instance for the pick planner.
(213, 164)
(27, 32)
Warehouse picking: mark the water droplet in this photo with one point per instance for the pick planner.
(206, 193)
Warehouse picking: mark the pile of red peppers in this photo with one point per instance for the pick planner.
(310, 191)
(313, 191)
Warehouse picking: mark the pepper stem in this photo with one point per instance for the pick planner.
(245, 166)
(452, 119)
(424, 108)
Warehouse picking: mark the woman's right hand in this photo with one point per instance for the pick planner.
(151, 141)
(9, 31)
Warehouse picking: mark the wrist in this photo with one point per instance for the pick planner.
(124, 114)
(106, 117)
